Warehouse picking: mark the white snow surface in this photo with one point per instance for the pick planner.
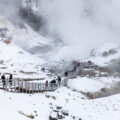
(16, 60)
(22, 63)
(85, 84)
(12, 105)
(100, 60)
(92, 85)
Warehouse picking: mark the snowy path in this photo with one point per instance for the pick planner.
(21, 86)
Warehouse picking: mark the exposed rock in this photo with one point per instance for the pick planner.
(112, 51)
(7, 41)
(31, 116)
(60, 115)
(59, 107)
(75, 118)
(53, 116)
(65, 112)
(105, 54)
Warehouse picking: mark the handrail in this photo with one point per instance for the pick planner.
(21, 86)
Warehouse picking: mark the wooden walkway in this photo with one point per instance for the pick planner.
(21, 86)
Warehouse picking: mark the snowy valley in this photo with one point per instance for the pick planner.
(42, 40)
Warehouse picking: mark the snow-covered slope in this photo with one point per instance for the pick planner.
(106, 54)
(71, 29)
(15, 60)
(19, 106)
(15, 55)
(27, 38)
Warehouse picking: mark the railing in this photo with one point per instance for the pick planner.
(21, 86)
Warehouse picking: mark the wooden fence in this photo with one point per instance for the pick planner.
(21, 86)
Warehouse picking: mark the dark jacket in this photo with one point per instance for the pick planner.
(11, 76)
(53, 81)
(66, 73)
(3, 80)
(59, 78)
(46, 83)
(3, 77)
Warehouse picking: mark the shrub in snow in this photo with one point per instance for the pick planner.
(31, 116)
(59, 107)
(60, 115)
(75, 118)
(58, 112)
(65, 112)
(48, 96)
(7, 41)
(53, 97)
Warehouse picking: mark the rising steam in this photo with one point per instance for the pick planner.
(82, 24)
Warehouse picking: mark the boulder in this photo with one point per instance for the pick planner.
(65, 112)
(53, 116)
(60, 115)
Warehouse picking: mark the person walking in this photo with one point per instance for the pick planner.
(53, 83)
(46, 83)
(10, 79)
(66, 73)
(3, 80)
(59, 80)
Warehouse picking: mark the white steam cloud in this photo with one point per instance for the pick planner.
(82, 24)
(10, 8)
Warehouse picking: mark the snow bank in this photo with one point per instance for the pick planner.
(85, 84)
(105, 54)
(38, 105)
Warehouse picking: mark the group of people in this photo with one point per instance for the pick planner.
(3, 78)
(77, 64)
(55, 82)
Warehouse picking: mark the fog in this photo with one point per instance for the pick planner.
(82, 24)
(10, 9)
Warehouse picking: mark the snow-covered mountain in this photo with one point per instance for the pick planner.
(52, 34)
(75, 28)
